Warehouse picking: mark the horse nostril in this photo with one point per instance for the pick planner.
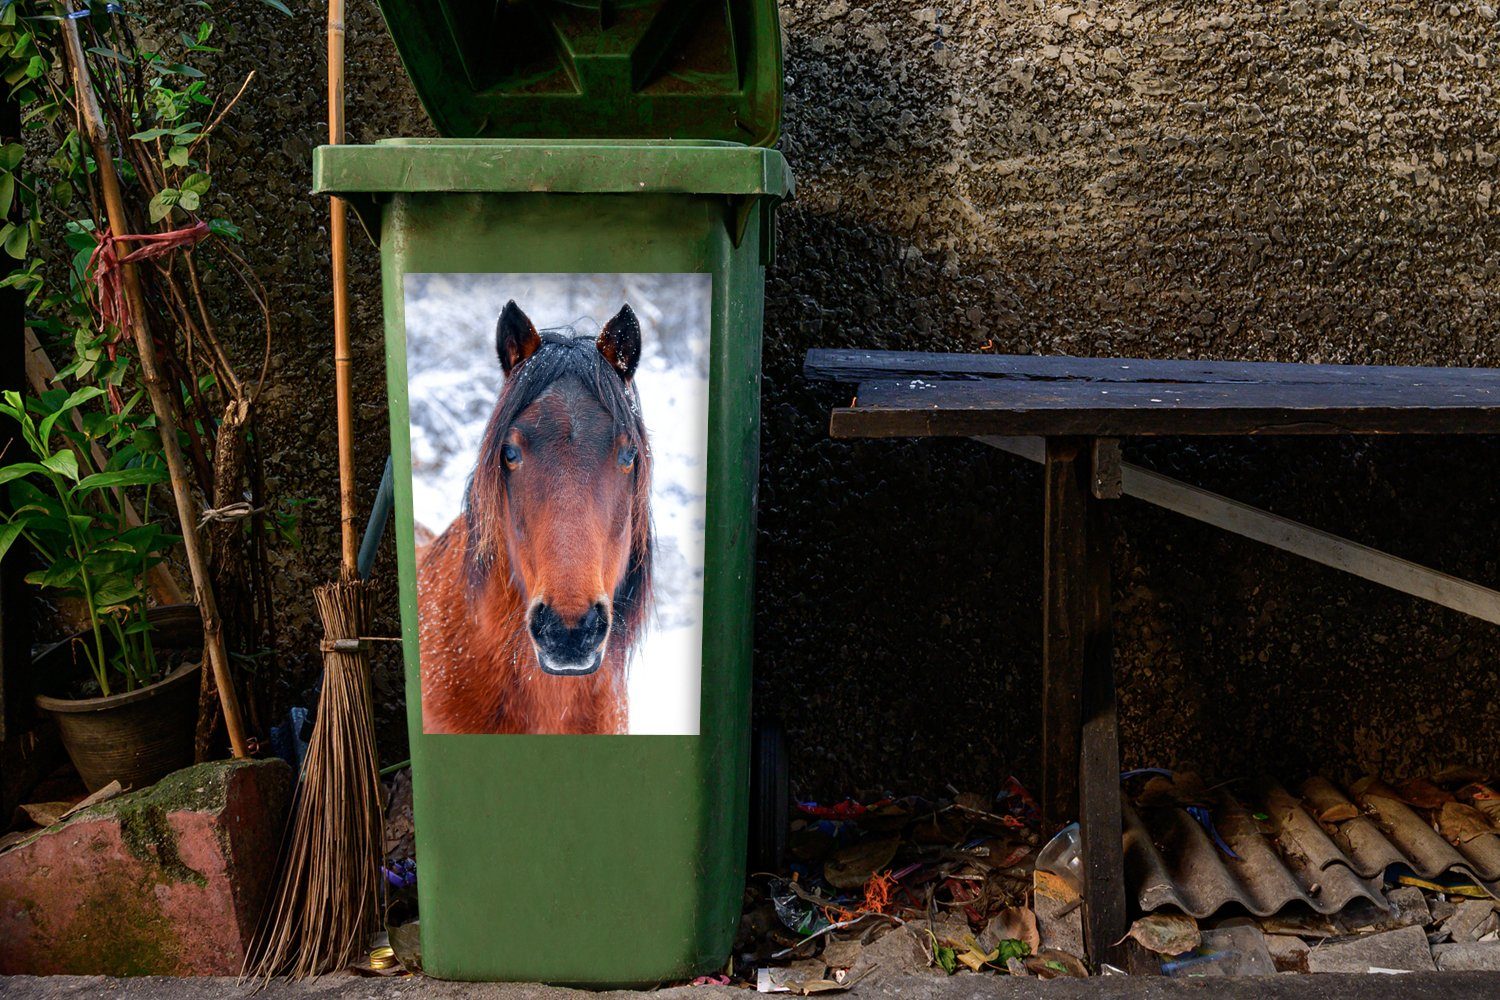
(546, 624)
(595, 621)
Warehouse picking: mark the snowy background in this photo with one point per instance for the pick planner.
(454, 379)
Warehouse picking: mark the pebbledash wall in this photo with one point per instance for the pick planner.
(1299, 181)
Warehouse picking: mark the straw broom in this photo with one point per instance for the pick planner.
(327, 901)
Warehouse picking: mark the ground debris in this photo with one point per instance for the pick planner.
(1404, 950)
(1478, 956)
(1166, 933)
(1472, 920)
(901, 885)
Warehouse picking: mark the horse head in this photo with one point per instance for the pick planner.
(561, 491)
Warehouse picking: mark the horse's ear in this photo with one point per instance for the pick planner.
(516, 338)
(620, 342)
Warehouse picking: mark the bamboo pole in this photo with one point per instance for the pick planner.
(40, 372)
(343, 360)
(161, 402)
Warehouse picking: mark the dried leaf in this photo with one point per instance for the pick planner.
(1460, 824)
(1166, 933)
(1371, 787)
(104, 794)
(1423, 794)
(1052, 964)
(1484, 798)
(45, 813)
(1458, 774)
(1157, 791)
(851, 867)
(1338, 812)
(1183, 788)
(1016, 923)
(973, 959)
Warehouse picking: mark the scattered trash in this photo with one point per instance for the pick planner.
(890, 885)
(1062, 856)
(963, 885)
(1238, 949)
(853, 866)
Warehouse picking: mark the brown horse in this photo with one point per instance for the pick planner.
(531, 600)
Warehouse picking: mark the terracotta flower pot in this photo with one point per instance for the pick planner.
(136, 737)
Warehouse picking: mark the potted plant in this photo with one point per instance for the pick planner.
(125, 701)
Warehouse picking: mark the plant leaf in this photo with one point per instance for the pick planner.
(161, 205)
(9, 532)
(59, 574)
(20, 469)
(17, 241)
(63, 462)
(122, 477)
(77, 398)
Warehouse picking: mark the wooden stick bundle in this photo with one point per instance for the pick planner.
(156, 387)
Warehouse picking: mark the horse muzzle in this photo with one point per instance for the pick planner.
(569, 650)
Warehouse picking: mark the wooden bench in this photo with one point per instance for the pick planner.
(1069, 414)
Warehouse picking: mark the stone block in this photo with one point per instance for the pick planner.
(1402, 950)
(169, 880)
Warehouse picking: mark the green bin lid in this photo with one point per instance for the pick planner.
(590, 69)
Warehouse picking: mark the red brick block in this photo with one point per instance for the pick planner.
(169, 880)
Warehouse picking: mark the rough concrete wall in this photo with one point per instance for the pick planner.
(1301, 181)
(1296, 181)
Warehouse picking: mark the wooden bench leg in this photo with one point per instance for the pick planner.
(1080, 737)
(1064, 587)
(1100, 826)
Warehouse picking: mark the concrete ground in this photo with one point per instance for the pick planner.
(1416, 986)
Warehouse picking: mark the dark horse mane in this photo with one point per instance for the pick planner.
(562, 355)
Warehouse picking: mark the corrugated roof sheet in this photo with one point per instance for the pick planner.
(1324, 848)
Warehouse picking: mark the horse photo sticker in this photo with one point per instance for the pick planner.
(558, 453)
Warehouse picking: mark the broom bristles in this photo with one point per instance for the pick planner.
(327, 896)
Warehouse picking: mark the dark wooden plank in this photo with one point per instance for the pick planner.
(929, 408)
(863, 366)
(1100, 828)
(1064, 589)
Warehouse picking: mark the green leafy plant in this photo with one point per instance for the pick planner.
(76, 519)
(207, 311)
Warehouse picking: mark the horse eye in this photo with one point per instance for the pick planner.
(511, 454)
(627, 456)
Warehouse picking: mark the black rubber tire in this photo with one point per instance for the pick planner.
(770, 798)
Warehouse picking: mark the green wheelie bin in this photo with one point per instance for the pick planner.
(573, 281)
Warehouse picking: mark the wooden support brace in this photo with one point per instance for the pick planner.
(1291, 536)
